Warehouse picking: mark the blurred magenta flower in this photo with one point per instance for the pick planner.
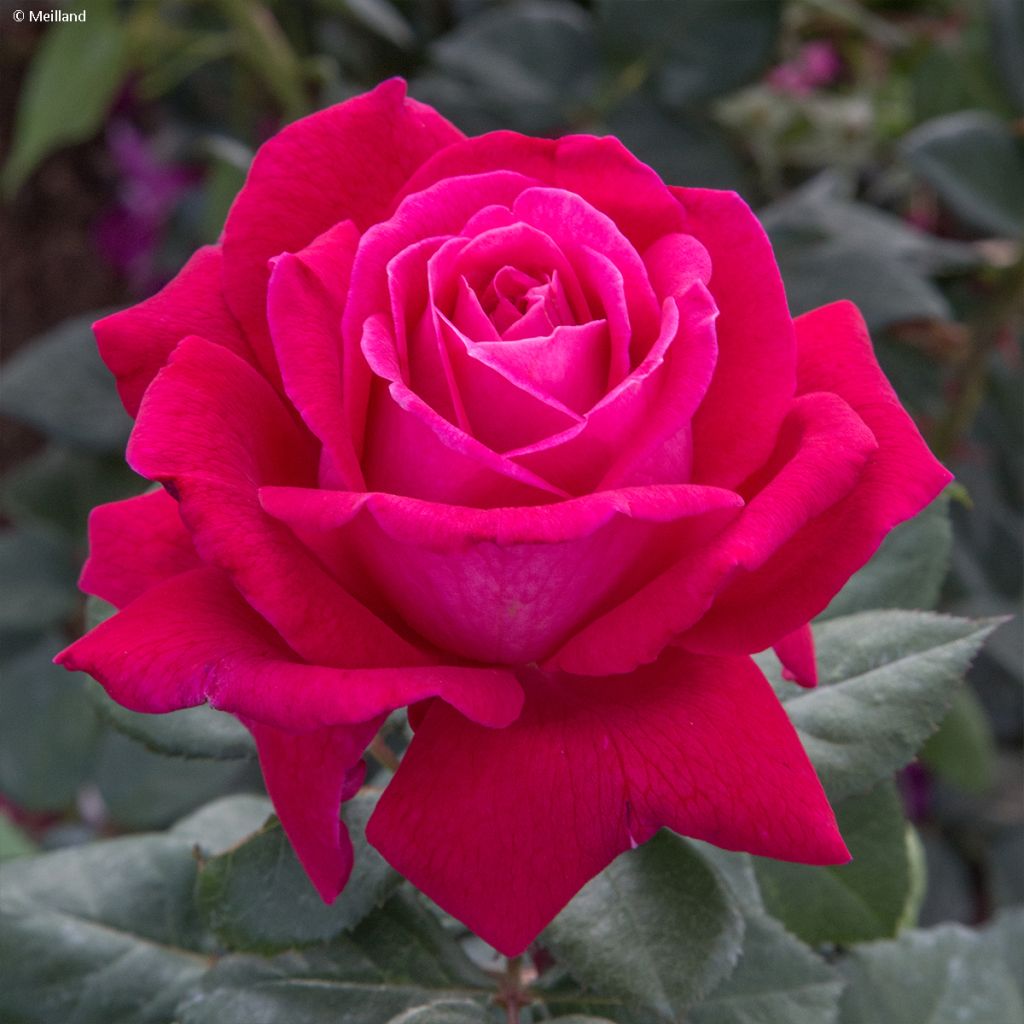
(128, 233)
(818, 63)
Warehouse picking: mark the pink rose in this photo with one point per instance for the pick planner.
(508, 431)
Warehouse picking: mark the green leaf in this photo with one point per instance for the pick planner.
(530, 64)
(908, 569)
(825, 207)
(1004, 937)
(407, 943)
(59, 385)
(943, 975)
(683, 149)
(865, 899)
(38, 573)
(1007, 18)
(778, 981)
(68, 90)
(99, 934)
(223, 823)
(696, 50)
(257, 896)
(886, 291)
(963, 751)
(333, 985)
(830, 247)
(58, 487)
(656, 928)
(48, 731)
(383, 19)
(446, 1012)
(199, 732)
(13, 841)
(886, 681)
(145, 790)
(976, 164)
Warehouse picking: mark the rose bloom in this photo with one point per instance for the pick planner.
(510, 432)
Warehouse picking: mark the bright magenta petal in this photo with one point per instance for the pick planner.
(193, 639)
(822, 451)
(502, 827)
(347, 162)
(505, 585)
(307, 777)
(305, 301)
(899, 479)
(736, 427)
(214, 430)
(601, 170)
(796, 652)
(135, 544)
(137, 342)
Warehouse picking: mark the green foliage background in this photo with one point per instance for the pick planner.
(144, 878)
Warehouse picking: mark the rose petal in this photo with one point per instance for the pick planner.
(137, 342)
(580, 230)
(307, 777)
(305, 301)
(135, 544)
(675, 263)
(900, 478)
(600, 170)
(796, 652)
(193, 639)
(822, 451)
(213, 429)
(505, 585)
(502, 828)
(737, 425)
(450, 466)
(640, 431)
(441, 210)
(347, 162)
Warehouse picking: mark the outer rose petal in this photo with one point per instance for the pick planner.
(135, 544)
(601, 170)
(307, 777)
(901, 477)
(735, 429)
(501, 828)
(821, 454)
(796, 652)
(505, 585)
(347, 162)
(137, 342)
(305, 302)
(213, 429)
(192, 639)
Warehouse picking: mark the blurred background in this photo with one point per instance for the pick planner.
(881, 142)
